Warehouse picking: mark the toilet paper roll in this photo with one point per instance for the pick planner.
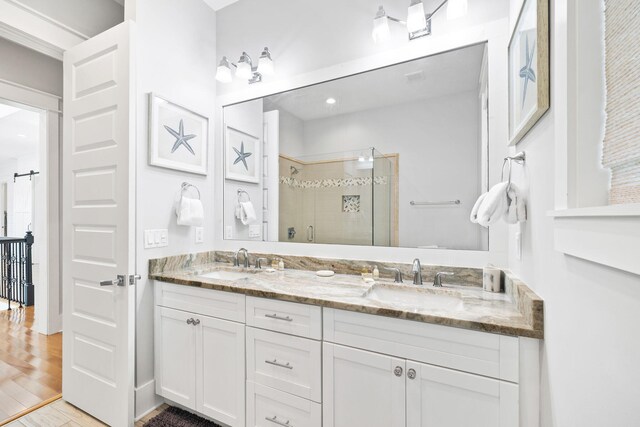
(491, 279)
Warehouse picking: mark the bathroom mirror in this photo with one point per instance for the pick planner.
(392, 157)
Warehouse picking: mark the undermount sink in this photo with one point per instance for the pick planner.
(416, 298)
(225, 275)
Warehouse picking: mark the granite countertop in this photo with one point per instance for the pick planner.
(517, 312)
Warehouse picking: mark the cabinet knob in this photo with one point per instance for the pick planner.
(398, 371)
(196, 322)
(411, 373)
(189, 321)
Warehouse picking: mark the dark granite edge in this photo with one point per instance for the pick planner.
(501, 329)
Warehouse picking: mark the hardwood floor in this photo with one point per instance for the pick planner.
(61, 413)
(30, 363)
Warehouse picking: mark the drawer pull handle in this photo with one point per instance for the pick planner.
(275, 316)
(275, 362)
(275, 420)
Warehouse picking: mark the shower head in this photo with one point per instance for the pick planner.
(294, 170)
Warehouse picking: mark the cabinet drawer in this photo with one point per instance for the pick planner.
(284, 362)
(267, 407)
(282, 316)
(476, 352)
(208, 302)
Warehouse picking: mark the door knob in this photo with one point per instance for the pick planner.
(118, 282)
(411, 373)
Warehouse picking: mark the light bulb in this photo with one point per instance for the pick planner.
(416, 19)
(223, 74)
(361, 158)
(381, 32)
(243, 69)
(456, 9)
(330, 101)
(265, 63)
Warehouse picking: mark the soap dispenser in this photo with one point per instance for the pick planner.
(376, 272)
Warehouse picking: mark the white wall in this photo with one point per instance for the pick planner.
(30, 68)
(176, 58)
(306, 35)
(436, 138)
(590, 353)
(316, 41)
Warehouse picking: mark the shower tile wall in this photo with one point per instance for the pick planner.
(322, 207)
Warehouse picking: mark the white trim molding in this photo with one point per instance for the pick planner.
(26, 26)
(607, 235)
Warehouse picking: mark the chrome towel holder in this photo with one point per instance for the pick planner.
(240, 192)
(519, 159)
(186, 186)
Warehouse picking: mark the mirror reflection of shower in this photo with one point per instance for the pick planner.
(294, 170)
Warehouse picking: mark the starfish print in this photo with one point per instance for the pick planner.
(527, 72)
(181, 138)
(242, 156)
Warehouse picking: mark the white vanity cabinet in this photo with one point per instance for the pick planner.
(380, 371)
(200, 359)
(256, 362)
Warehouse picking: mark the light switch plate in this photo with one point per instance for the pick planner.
(254, 231)
(228, 232)
(199, 234)
(156, 238)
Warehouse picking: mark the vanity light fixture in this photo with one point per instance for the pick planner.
(331, 101)
(245, 69)
(418, 22)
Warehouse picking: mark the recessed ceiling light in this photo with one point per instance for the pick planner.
(22, 135)
(331, 101)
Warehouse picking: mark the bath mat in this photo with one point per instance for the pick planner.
(176, 417)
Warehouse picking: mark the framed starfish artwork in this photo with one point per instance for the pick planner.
(178, 137)
(242, 156)
(528, 68)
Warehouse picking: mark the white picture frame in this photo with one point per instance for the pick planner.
(528, 58)
(242, 156)
(178, 137)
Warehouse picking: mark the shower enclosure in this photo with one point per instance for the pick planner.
(347, 197)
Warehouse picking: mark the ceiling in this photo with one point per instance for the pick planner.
(431, 77)
(19, 132)
(217, 4)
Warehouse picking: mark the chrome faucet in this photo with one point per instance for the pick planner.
(398, 274)
(417, 272)
(236, 262)
(259, 262)
(437, 281)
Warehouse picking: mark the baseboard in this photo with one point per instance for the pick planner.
(146, 399)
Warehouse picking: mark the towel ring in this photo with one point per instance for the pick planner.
(518, 158)
(185, 186)
(240, 192)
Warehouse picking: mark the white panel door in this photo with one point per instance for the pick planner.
(175, 356)
(361, 388)
(220, 371)
(446, 398)
(98, 234)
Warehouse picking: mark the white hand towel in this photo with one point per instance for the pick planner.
(516, 211)
(474, 211)
(247, 213)
(190, 211)
(494, 205)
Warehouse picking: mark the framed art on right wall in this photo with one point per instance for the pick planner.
(528, 68)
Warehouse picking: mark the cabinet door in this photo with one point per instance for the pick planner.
(220, 370)
(175, 356)
(361, 388)
(446, 398)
